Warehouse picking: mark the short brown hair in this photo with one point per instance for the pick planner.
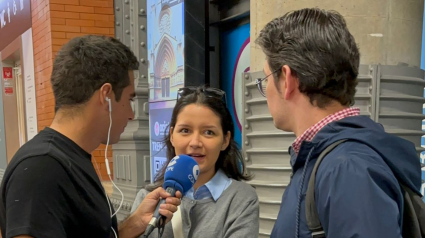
(85, 63)
(320, 51)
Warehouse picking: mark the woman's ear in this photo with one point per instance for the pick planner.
(171, 135)
(226, 141)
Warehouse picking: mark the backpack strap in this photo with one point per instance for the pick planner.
(413, 214)
(312, 215)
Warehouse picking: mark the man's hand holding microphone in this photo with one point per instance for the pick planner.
(180, 175)
(137, 223)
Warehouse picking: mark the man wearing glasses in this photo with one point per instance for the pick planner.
(312, 64)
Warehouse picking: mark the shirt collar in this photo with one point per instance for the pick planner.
(212, 189)
(311, 132)
(218, 184)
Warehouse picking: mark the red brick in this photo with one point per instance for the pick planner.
(40, 17)
(57, 21)
(60, 28)
(59, 35)
(104, 24)
(57, 7)
(97, 158)
(39, 20)
(49, 90)
(79, 9)
(56, 48)
(71, 22)
(67, 15)
(45, 10)
(93, 3)
(42, 57)
(66, 2)
(50, 102)
(92, 30)
(39, 7)
(34, 4)
(45, 122)
(60, 42)
(49, 28)
(43, 66)
(40, 92)
(97, 17)
(102, 147)
(39, 46)
(108, 10)
(102, 153)
(73, 35)
(42, 34)
(40, 111)
(40, 26)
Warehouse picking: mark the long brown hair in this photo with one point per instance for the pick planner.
(230, 160)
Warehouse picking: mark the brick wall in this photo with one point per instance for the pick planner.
(41, 30)
(55, 22)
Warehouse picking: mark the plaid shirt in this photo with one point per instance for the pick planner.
(309, 134)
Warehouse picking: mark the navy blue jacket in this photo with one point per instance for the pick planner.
(357, 192)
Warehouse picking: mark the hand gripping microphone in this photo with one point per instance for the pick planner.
(180, 175)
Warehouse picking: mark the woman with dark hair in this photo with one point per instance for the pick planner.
(219, 204)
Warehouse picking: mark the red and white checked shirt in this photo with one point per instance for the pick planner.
(311, 132)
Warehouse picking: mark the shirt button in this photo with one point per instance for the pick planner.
(193, 202)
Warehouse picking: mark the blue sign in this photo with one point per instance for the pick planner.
(159, 120)
(235, 59)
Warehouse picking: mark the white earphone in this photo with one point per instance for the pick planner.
(108, 169)
(109, 101)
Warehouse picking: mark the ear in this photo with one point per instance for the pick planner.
(104, 92)
(288, 82)
(226, 141)
(171, 135)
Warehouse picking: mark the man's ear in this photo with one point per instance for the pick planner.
(105, 92)
(288, 82)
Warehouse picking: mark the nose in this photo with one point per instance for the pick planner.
(195, 141)
(131, 115)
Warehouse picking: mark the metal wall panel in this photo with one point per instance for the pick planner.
(400, 102)
(131, 155)
(266, 153)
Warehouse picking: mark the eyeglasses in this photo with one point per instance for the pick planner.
(209, 92)
(262, 83)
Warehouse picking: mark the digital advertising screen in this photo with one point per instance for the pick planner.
(159, 120)
(165, 48)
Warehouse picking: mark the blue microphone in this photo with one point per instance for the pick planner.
(180, 175)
